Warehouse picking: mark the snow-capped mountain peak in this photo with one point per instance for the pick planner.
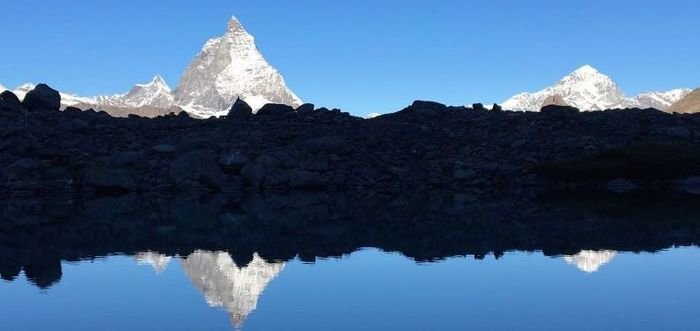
(588, 89)
(227, 68)
(157, 93)
(235, 26)
(157, 82)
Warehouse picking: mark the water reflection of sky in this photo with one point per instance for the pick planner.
(368, 290)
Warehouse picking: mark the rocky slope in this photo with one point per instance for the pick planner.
(424, 146)
(589, 89)
(689, 104)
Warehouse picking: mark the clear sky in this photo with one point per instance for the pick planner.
(360, 55)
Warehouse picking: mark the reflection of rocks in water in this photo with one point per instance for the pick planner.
(159, 262)
(226, 285)
(591, 261)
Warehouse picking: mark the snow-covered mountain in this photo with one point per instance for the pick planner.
(589, 89)
(227, 68)
(591, 261)
(226, 285)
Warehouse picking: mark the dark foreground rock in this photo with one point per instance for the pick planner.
(425, 146)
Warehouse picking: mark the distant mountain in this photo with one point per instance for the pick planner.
(689, 104)
(227, 68)
(588, 89)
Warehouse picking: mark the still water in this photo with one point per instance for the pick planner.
(366, 290)
(429, 261)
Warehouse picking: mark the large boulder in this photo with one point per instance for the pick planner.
(555, 110)
(306, 108)
(272, 109)
(42, 98)
(420, 104)
(9, 103)
(197, 168)
(10, 97)
(108, 180)
(240, 110)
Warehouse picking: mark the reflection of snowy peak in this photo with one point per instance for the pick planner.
(588, 89)
(229, 67)
(591, 261)
(159, 262)
(226, 285)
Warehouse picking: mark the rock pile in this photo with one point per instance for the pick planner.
(424, 146)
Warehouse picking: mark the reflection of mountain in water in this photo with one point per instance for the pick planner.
(159, 262)
(226, 285)
(591, 261)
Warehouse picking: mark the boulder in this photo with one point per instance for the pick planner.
(496, 107)
(306, 108)
(42, 98)
(10, 103)
(478, 106)
(274, 109)
(559, 110)
(303, 179)
(196, 168)
(233, 161)
(10, 97)
(419, 104)
(108, 180)
(240, 110)
(72, 110)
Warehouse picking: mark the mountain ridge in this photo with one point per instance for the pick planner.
(228, 67)
(588, 89)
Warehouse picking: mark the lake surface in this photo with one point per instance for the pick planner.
(323, 262)
(367, 290)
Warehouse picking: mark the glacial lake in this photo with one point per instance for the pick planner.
(366, 290)
(598, 261)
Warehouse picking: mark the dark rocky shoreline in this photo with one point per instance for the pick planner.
(426, 146)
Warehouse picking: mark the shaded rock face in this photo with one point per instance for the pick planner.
(196, 168)
(272, 109)
(42, 97)
(240, 110)
(689, 104)
(109, 180)
(10, 97)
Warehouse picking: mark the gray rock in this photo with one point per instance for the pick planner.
(273, 109)
(622, 186)
(235, 160)
(9, 97)
(253, 175)
(240, 110)
(198, 167)
(105, 179)
(42, 98)
(302, 179)
(164, 148)
(306, 108)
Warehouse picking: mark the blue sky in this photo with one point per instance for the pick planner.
(362, 55)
